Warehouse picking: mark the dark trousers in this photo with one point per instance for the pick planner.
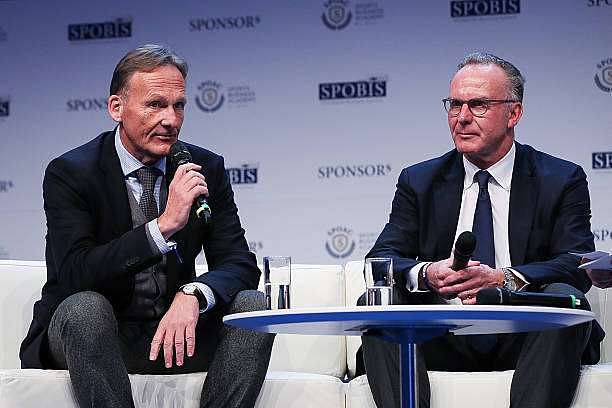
(547, 364)
(98, 351)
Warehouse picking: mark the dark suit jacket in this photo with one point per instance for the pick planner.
(91, 243)
(549, 216)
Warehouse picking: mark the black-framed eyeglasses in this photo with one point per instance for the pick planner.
(478, 106)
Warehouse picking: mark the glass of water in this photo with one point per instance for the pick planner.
(378, 274)
(277, 281)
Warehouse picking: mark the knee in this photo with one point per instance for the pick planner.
(248, 301)
(87, 313)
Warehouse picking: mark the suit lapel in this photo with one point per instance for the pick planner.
(115, 187)
(523, 198)
(447, 203)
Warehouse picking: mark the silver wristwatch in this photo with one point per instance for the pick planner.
(192, 289)
(509, 280)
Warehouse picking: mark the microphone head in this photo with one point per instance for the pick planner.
(466, 243)
(490, 296)
(179, 154)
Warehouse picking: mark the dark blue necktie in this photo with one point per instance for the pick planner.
(483, 222)
(485, 245)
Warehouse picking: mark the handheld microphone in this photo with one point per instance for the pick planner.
(180, 155)
(500, 296)
(464, 249)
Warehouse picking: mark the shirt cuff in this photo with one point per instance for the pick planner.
(413, 278)
(158, 238)
(208, 294)
(520, 277)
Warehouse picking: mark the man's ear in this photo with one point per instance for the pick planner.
(115, 107)
(516, 113)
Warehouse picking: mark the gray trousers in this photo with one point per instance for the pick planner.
(99, 351)
(546, 363)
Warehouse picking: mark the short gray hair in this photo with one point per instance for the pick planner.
(515, 78)
(144, 59)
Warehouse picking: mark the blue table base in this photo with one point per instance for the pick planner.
(408, 337)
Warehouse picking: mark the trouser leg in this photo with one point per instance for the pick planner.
(548, 366)
(240, 362)
(82, 337)
(382, 365)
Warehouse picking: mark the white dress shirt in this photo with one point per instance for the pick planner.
(129, 164)
(499, 191)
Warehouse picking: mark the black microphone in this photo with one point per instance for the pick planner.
(464, 249)
(180, 155)
(502, 296)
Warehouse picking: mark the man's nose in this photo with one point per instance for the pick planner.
(171, 118)
(465, 114)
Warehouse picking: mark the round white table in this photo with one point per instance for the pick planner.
(409, 324)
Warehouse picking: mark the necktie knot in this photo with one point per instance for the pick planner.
(482, 178)
(147, 176)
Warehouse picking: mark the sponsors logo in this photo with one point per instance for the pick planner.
(5, 186)
(354, 171)
(89, 104)
(5, 107)
(602, 160)
(483, 8)
(603, 77)
(342, 241)
(599, 3)
(373, 87)
(3, 35)
(255, 246)
(338, 14)
(118, 28)
(246, 174)
(602, 234)
(212, 96)
(224, 23)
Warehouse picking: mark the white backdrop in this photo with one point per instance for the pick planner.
(325, 169)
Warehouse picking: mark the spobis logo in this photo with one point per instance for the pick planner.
(479, 8)
(373, 87)
(603, 77)
(599, 3)
(244, 174)
(119, 28)
(602, 160)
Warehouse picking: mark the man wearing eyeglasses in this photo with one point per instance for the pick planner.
(527, 210)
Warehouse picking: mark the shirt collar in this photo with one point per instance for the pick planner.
(501, 171)
(129, 163)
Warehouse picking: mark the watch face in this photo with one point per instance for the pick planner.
(189, 289)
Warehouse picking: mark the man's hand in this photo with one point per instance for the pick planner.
(175, 328)
(467, 282)
(437, 272)
(602, 278)
(188, 184)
